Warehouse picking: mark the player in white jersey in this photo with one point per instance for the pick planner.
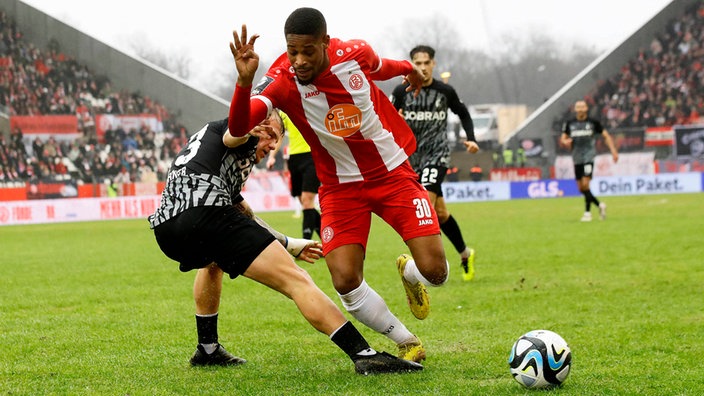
(360, 146)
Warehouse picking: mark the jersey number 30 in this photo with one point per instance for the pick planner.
(422, 208)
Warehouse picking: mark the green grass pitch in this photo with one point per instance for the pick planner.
(96, 309)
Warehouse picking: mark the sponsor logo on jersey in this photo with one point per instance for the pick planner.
(423, 222)
(425, 115)
(343, 119)
(582, 132)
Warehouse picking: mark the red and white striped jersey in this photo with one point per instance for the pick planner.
(354, 131)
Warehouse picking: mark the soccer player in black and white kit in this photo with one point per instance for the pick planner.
(204, 223)
(579, 135)
(426, 114)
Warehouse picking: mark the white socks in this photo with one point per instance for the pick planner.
(413, 275)
(367, 306)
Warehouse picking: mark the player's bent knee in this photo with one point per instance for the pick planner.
(437, 275)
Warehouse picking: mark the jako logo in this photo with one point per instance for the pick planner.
(544, 189)
(343, 120)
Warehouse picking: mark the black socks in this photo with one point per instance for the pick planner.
(311, 223)
(453, 233)
(349, 339)
(207, 327)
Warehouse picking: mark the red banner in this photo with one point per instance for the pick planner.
(515, 174)
(51, 124)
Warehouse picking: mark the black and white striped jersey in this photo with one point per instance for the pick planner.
(205, 173)
(426, 114)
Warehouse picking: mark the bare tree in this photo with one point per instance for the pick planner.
(519, 69)
(525, 69)
(178, 63)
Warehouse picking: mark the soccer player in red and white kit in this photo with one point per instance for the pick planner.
(360, 146)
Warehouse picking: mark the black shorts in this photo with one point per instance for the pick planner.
(582, 170)
(431, 177)
(303, 176)
(220, 234)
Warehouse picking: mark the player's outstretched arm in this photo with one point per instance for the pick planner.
(302, 249)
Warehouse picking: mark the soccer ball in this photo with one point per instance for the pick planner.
(540, 359)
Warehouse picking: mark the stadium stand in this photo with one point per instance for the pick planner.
(653, 78)
(662, 85)
(36, 82)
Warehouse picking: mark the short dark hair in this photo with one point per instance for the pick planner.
(423, 48)
(306, 21)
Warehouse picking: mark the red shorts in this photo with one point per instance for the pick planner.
(397, 198)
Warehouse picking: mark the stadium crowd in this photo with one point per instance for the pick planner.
(36, 82)
(662, 86)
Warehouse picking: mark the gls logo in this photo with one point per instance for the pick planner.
(544, 189)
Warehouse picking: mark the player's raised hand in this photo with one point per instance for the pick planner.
(246, 60)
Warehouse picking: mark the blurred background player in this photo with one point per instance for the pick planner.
(304, 181)
(204, 223)
(579, 135)
(427, 115)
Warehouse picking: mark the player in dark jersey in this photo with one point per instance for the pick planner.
(579, 135)
(204, 223)
(426, 114)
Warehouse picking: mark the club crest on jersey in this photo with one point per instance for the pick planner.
(356, 82)
(327, 234)
(343, 119)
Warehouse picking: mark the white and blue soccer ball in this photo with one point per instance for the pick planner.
(540, 359)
